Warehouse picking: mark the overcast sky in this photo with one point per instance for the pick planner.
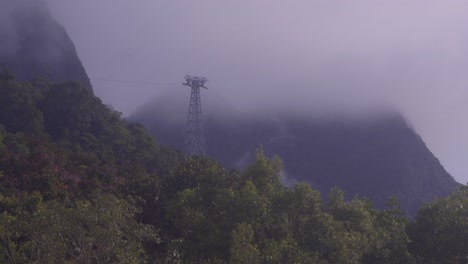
(412, 55)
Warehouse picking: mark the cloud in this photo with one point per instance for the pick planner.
(10, 12)
(300, 55)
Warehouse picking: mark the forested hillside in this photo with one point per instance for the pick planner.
(79, 184)
(375, 156)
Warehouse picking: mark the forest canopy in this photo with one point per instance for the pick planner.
(80, 184)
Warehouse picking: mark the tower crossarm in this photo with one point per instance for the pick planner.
(194, 81)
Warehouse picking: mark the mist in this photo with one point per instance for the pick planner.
(10, 11)
(304, 56)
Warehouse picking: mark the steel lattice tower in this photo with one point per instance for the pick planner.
(194, 138)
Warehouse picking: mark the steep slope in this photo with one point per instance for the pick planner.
(376, 157)
(34, 44)
(79, 184)
(61, 139)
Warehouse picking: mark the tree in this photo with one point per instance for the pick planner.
(96, 231)
(439, 233)
(19, 108)
(243, 249)
(265, 172)
(391, 240)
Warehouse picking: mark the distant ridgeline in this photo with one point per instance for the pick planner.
(376, 157)
(33, 44)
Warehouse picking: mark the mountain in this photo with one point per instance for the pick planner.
(34, 44)
(79, 184)
(376, 156)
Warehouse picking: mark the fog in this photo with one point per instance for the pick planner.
(9, 11)
(300, 55)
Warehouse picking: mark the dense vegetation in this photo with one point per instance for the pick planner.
(376, 156)
(78, 184)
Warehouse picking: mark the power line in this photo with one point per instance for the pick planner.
(153, 83)
(242, 113)
(224, 100)
(132, 81)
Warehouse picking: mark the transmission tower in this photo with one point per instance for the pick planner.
(194, 140)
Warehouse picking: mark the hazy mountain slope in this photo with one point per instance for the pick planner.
(34, 44)
(376, 157)
(78, 183)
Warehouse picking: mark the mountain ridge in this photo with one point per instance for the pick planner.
(35, 44)
(376, 156)
(79, 183)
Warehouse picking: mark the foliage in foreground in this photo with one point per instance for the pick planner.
(80, 185)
